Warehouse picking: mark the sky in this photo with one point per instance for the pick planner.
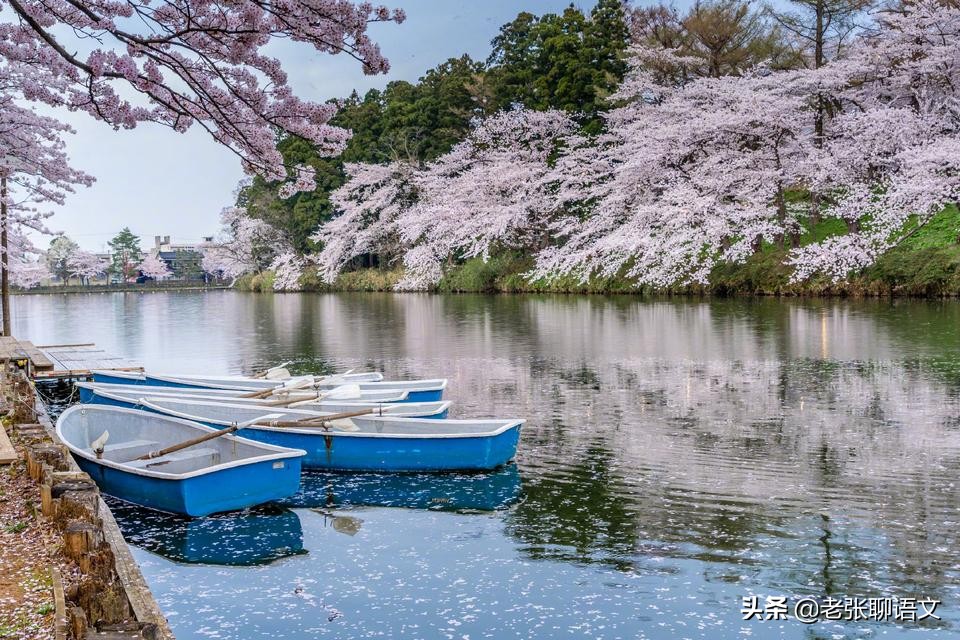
(159, 182)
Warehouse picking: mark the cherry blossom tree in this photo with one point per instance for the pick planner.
(202, 62)
(490, 192)
(34, 166)
(86, 265)
(153, 267)
(370, 203)
(34, 169)
(890, 161)
(26, 267)
(690, 173)
(245, 245)
(686, 176)
(27, 274)
(288, 267)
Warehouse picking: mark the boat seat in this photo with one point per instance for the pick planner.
(180, 461)
(123, 451)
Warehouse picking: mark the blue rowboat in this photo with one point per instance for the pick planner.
(87, 388)
(226, 410)
(371, 443)
(244, 383)
(417, 390)
(222, 474)
(245, 538)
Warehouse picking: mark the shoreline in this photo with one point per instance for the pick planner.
(738, 283)
(95, 584)
(111, 288)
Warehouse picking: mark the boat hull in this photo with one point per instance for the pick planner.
(430, 394)
(215, 492)
(359, 453)
(215, 475)
(223, 395)
(116, 400)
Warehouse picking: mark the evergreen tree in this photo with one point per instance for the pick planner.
(125, 254)
(568, 61)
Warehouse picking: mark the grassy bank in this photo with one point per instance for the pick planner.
(926, 263)
(122, 287)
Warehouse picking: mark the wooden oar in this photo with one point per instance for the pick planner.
(204, 438)
(286, 402)
(266, 372)
(312, 421)
(344, 392)
(272, 390)
(258, 394)
(307, 382)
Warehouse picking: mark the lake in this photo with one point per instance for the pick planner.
(679, 457)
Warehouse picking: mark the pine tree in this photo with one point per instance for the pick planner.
(125, 254)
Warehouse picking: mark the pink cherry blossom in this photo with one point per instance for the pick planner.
(181, 63)
(370, 203)
(27, 274)
(688, 174)
(153, 267)
(85, 265)
(245, 245)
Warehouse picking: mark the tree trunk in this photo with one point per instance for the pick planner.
(781, 218)
(817, 63)
(4, 259)
(814, 211)
(795, 237)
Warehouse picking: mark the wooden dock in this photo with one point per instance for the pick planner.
(56, 361)
(7, 453)
(24, 353)
(78, 360)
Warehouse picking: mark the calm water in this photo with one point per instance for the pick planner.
(678, 457)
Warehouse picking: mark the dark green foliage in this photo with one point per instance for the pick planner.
(297, 217)
(125, 250)
(187, 265)
(568, 61)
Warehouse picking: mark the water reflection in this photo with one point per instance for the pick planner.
(244, 538)
(438, 491)
(678, 455)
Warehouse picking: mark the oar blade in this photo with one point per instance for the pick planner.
(343, 392)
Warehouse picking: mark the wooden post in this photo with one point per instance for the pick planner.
(79, 539)
(60, 623)
(4, 259)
